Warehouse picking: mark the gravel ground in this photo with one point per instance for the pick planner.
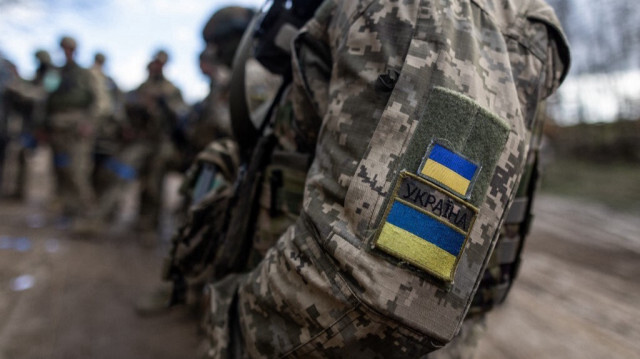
(62, 297)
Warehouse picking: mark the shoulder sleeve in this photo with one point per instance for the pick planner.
(558, 53)
(311, 64)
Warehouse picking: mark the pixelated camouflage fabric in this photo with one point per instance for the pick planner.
(321, 291)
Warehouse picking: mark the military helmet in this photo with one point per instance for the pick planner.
(99, 58)
(43, 56)
(227, 22)
(208, 55)
(224, 31)
(68, 42)
(161, 56)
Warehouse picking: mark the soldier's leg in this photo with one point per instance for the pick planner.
(28, 144)
(80, 175)
(21, 177)
(121, 169)
(60, 139)
(151, 189)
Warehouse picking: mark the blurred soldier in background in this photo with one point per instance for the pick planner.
(28, 99)
(155, 110)
(71, 122)
(109, 117)
(24, 114)
(162, 101)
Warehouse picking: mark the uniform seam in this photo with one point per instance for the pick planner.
(315, 337)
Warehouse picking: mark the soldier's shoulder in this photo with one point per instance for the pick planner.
(168, 88)
(170, 85)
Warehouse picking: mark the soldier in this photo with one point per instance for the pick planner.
(162, 104)
(8, 75)
(215, 166)
(420, 120)
(24, 116)
(71, 123)
(109, 118)
(153, 112)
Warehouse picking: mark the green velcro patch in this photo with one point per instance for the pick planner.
(459, 125)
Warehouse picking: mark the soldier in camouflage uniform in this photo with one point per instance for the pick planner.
(8, 76)
(209, 179)
(109, 117)
(154, 110)
(421, 121)
(25, 115)
(163, 103)
(71, 123)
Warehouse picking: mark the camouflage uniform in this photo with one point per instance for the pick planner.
(108, 111)
(208, 182)
(376, 86)
(163, 101)
(24, 115)
(153, 112)
(71, 123)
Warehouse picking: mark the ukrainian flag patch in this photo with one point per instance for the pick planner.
(449, 169)
(425, 226)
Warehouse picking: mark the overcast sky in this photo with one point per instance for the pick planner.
(127, 31)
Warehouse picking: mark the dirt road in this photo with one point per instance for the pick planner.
(67, 298)
(77, 298)
(577, 295)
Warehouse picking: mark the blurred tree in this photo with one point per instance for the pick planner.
(605, 39)
(604, 34)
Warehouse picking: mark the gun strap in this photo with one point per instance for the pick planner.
(241, 118)
(248, 128)
(234, 250)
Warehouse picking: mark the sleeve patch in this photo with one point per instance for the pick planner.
(426, 226)
(449, 169)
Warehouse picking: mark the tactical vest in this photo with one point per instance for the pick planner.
(75, 91)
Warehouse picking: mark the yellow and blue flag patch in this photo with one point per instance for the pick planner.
(449, 169)
(426, 226)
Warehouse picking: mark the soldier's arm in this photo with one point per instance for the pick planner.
(419, 152)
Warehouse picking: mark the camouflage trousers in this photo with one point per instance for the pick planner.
(72, 162)
(296, 304)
